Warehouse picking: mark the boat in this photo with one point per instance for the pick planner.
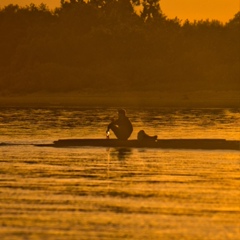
(211, 144)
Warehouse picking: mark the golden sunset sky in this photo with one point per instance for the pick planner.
(221, 10)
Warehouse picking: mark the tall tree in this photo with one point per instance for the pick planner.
(151, 9)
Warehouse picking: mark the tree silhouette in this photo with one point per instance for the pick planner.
(105, 45)
(151, 9)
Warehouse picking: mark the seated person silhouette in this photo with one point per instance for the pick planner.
(122, 127)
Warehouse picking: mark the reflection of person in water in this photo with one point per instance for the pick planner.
(122, 127)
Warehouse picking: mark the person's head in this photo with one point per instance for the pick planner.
(121, 112)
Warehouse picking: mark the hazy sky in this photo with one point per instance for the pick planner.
(222, 10)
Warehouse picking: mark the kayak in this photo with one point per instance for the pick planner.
(160, 143)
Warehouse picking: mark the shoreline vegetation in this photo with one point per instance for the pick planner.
(104, 53)
(197, 99)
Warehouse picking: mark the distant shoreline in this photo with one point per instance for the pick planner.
(195, 99)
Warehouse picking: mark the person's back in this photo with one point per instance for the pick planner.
(122, 127)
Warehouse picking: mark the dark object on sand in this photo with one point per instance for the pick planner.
(143, 137)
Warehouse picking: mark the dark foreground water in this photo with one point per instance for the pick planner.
(99, 193)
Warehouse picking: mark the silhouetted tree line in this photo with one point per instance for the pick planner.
(114, 44)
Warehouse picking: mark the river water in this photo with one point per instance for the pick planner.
(114, 193)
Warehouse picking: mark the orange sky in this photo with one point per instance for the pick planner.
(222, 10)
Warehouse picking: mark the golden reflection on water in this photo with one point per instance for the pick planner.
(49, 124)
(99, 193)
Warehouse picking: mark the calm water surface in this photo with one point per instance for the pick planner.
(100, 193)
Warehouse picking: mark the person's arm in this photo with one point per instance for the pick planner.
(113, 122)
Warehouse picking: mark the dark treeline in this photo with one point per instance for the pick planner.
(104, 45)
